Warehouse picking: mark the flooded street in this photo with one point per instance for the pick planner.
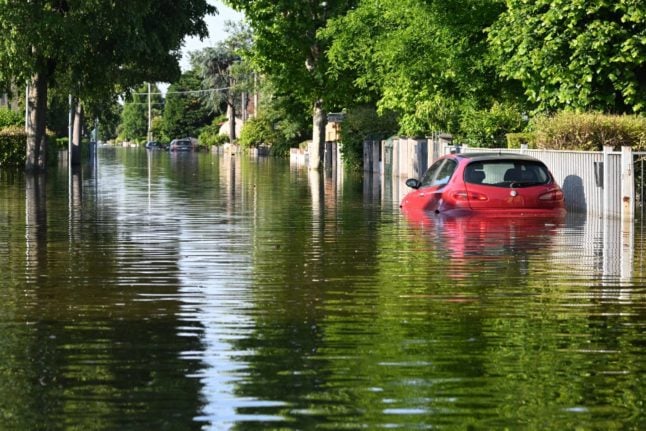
(200, 291)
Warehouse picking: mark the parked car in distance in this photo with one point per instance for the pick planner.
(155, 145)
(183, 144)
(493, 184)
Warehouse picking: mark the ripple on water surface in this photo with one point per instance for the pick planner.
(186, 291)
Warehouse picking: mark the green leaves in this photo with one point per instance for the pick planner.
(420, 59)
(579, 55)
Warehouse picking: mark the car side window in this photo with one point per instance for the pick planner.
(439, 173)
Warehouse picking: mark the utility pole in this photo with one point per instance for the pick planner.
(150, 120)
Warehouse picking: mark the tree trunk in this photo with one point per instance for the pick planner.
(76, 133)
(231, 113)
(317, 147)
(36, 123)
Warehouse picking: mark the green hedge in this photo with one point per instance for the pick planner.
(514, 140)
(12, 146)
(10, 118)
(588, 131)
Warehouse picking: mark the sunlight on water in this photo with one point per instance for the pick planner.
(186, 291)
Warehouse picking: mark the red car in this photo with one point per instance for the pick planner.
(492, 184)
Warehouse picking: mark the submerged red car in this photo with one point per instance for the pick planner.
(493, 184)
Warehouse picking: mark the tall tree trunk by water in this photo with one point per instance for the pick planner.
(231, 113)
(317, 146)
(36, 137)
(76, 133)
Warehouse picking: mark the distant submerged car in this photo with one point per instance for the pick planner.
(184, 144)
(493, 184)
(155, 145)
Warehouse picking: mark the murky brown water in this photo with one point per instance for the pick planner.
(196, 291)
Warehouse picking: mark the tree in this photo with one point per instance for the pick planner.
(580, 55)
(222, 75)
(89, 48)
(424, 60)
(287, 51)
(134, 117)
(185, 112)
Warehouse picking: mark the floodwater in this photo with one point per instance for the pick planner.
(158, 291)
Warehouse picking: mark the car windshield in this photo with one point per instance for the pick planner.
(507, 173)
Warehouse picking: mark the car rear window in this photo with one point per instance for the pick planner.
(505, 173)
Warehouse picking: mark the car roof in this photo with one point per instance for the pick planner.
(480, 157)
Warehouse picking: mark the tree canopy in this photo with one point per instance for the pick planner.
(225, 76)
(185, 112)
(134, 116)
(581, 55)
(89, 48)
(288, 52)
(425, 60)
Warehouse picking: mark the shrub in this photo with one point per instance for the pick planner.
(12, 146)
(488, 128)
(10, 118)
(589, 131)
(210, 135)
(258, 131)
(13, 151)
(514, 140)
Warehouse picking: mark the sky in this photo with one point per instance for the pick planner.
(216, 27)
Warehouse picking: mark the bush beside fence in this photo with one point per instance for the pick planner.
(586, 132)
(12, 147)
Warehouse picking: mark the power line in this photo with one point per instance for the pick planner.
(209, 90)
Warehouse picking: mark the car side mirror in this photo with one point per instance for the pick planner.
(413, 183)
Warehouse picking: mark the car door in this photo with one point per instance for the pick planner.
(428, 196)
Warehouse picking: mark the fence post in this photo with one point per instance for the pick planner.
(607, 181)
(627, 184)
(627, 211)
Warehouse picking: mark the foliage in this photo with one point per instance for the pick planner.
(134, 116)
(423, 60)
(362, 123)
(514, 140)
(288, 53)
(210, 135)
(283, 121)
(578, 55)
(224, 74)
(12, 146)
(258, 131)
(286, 48)
(589, 132)
(488, 127)
(89, 48)
(185, 112)
(9, 117)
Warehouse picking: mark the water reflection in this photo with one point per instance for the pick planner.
(202, 291)
(603, 247)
